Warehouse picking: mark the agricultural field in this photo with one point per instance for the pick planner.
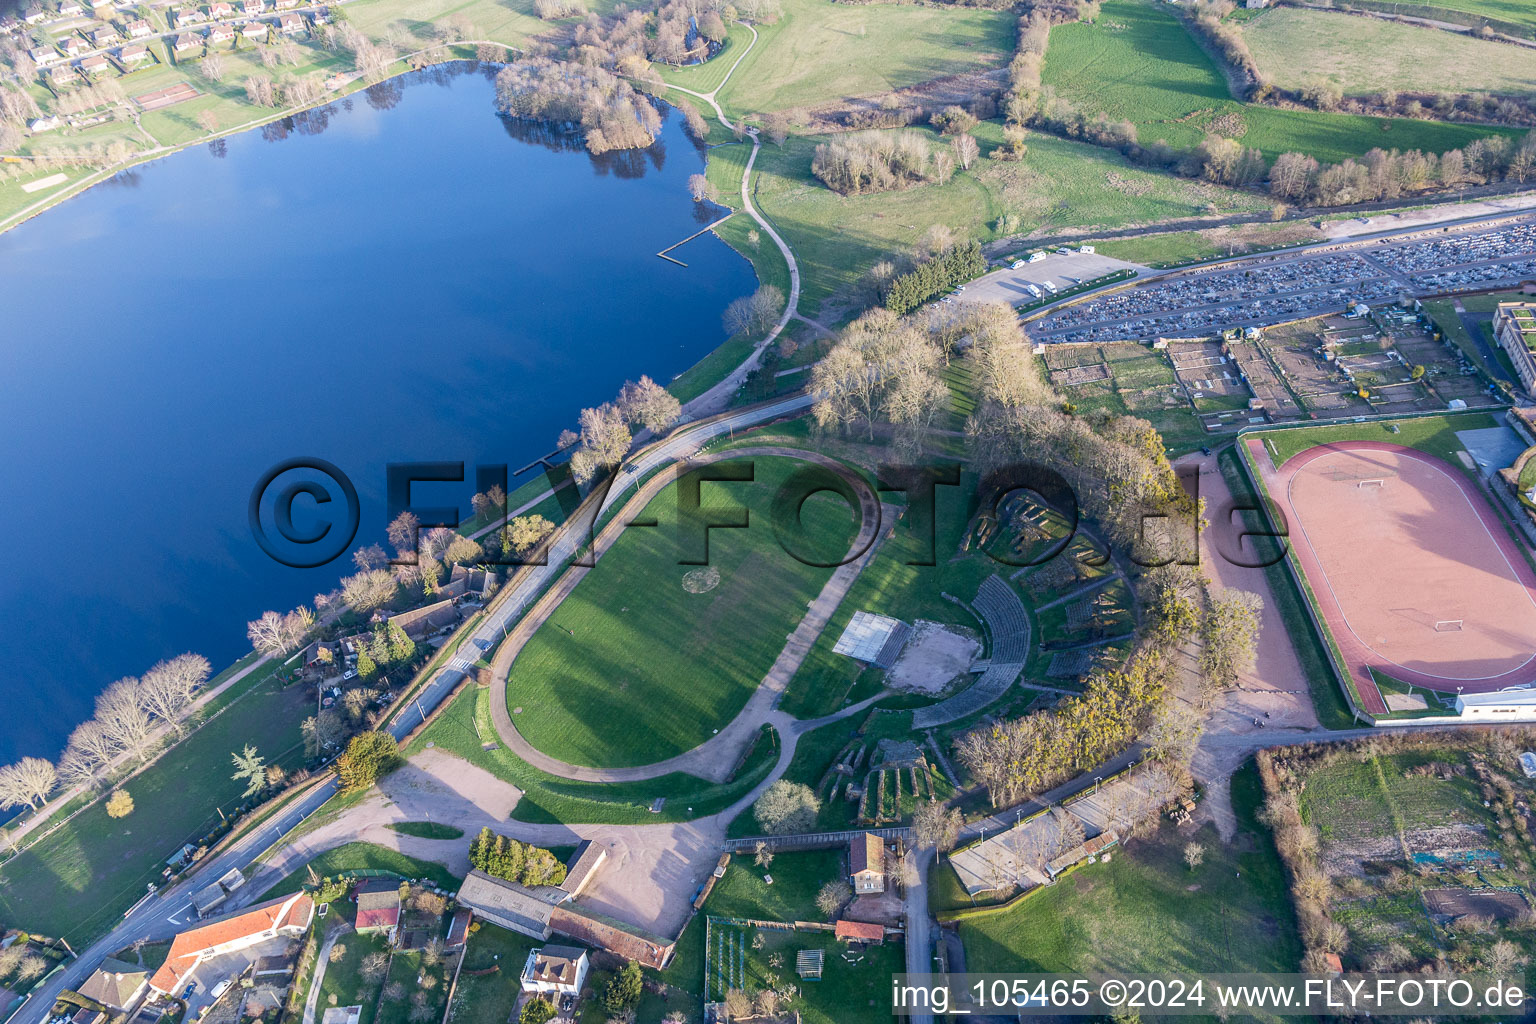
(1514, 11)
(1147, 912)
(1059, 185)
(1296, 47)
(633, 669)
(1138, 63)
(820, 52)
(77, 881)
(1424, 843)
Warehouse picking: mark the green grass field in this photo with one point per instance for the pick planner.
(1059, 185)
(633, 668)
(820, 52)
(1517, 11)
(1435, 435)
(1138, 63)
(344, 984)
(1146, 912)
(77, 881)
(550, 799)
(488, 982)
(363, 857)
(426, 829)
(1296, 47)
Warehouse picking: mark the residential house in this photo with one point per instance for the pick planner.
(286, 5)
(285, 916)
(322, 16)
(47, 124)
(1514, 324)
(116, 985)
(60, 76)
(221, 10)
(105, 36)
(252, 8)
(140, 29)
(473, 583)
(190, 16)
(256, 31)
(290, 24)
(133, 54)
(378, 907)
(88, 1015)
(321, 660)
(96, 65)
(859, 931)
(866, 863)
(42, 56)
(187, 41)
(101, 8)
(71, 9)
(72, 46)
(555, 971)
(220, 34)
(422, 622)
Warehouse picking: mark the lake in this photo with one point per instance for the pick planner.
(401, 276)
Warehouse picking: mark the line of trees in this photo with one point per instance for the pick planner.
(505, 857)
(127, 714)
(960, 263)
(605, 435)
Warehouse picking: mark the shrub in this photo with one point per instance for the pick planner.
(369, 757)
(119, 804)
(786, 807)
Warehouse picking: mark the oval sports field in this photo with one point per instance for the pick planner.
(1410, 567)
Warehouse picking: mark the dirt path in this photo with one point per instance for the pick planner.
(321, 961)
(1274, 692)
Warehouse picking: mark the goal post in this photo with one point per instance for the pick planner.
(1377, 482)
(1448, 626)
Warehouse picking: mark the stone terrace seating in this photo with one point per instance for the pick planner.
(1000, 608)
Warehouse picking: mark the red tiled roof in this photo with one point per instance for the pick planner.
(859, 931)
(379, 917)
(188, 948)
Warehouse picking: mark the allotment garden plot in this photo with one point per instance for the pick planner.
(647, 657)
(1425, 844)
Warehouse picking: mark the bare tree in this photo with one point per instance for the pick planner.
(755, 313)
(649, 404)
(1194, 855)
(371, 557)
(125, 718)
(966, 150)
(701, 189)
(89, 750)
(403, 532)
(212, 66)
(35, 779)
(523, 532)
(937, 825)
(833, 895)
(1231, 632)
(169, 687)
(277, 634)
(368, 590)
(605, 440)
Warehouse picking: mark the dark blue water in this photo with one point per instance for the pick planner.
(401, 276)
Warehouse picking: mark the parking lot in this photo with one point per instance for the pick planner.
(1276, 289)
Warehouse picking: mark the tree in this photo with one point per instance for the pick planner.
(1418, 372)
(701, 189)
(168, 687)
(251, 767)
(536, 1011)
(89, 750)
(28, 781)
(786, 807)
(402, 533)
(368, 757)
(776, 127)
(623, 992)
(605, 440)
(280, 635)
(462, 551)
(212, 66)
(833, 895)
(1231, 632)
(124, 717)
(369, 590)
(764, 856)
(321, 732)
(375, 965)
(755, 313)
(649, 404)
(966, 150)
(937, 825)
(1194, 855)
(953, 120)
(119, 804)
(523, 532)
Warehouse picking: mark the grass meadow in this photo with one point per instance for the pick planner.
(1518, 12)
(1435, 435)
(77, 881)
(1146, 912)
(1138, 63)
(633, 668)
(1296, 47)
(820, 52)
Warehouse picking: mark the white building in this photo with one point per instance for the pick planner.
(555, 971)
(1500, 706)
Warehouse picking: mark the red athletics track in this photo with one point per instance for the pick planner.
(1410, 567)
